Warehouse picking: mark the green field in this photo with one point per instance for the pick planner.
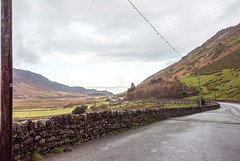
(31, 113)
(35, 108)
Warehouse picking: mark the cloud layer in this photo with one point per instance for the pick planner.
(92, 32)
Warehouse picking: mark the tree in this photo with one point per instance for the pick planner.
(132, 88)
(79, 110)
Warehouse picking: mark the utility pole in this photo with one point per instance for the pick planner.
(199, 89)
(6, 152)
(215, 92)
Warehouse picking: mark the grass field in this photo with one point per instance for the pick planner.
(35, 108)
(40, 112)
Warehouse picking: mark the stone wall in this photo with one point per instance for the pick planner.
(42, 136)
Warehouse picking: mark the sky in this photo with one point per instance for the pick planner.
(106, 44)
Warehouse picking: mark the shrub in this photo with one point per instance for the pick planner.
(94, 108)
(102, 106)
(79, 110)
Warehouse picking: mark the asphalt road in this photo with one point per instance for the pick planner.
(232, 109)
(207, 136)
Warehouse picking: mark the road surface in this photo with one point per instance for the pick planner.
(208, 136)
(232, 109)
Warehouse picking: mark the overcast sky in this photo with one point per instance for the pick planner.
(106, 44)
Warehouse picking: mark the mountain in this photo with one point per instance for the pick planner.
(29, 84)
(218, 60)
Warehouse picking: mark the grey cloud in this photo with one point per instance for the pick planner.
(43, 28)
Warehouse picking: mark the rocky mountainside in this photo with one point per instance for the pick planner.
(219, 62)
(29, 84)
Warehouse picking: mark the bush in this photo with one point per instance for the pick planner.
(103, 106)
(79, 110)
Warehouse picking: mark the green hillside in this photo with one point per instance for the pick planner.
(225, 83)
(222, 77)
(218, 60)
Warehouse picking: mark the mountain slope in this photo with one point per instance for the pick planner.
(31, 84)
(216, 58)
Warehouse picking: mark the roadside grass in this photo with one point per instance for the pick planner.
(58, 150)
(37, 157)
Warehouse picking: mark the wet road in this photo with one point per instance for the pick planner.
(207, 136)
(232, 109)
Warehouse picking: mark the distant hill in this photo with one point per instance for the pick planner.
(219, 62)
(29, 84)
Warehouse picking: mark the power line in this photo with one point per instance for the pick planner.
(154, 28)
(169, 45)
(158, 32)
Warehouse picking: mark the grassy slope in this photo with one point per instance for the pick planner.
(21, 89)
(223, 76)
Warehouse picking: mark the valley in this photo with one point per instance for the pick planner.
(217, 59)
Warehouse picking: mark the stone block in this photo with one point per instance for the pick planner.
(16, 146)
(42, 141)
(42, 123)
(37, 137)
(18, 157)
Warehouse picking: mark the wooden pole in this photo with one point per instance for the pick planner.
(215, 92)
(6, 152)
(199, 89)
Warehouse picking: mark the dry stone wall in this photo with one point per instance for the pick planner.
(42, 136)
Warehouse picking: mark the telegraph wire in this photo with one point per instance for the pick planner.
(154, 28)
(169, 45)
(158, 32)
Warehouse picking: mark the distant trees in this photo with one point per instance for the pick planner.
(156, 80)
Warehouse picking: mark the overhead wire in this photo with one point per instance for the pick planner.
(160, 35)
(155, 29)
(158, 32)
